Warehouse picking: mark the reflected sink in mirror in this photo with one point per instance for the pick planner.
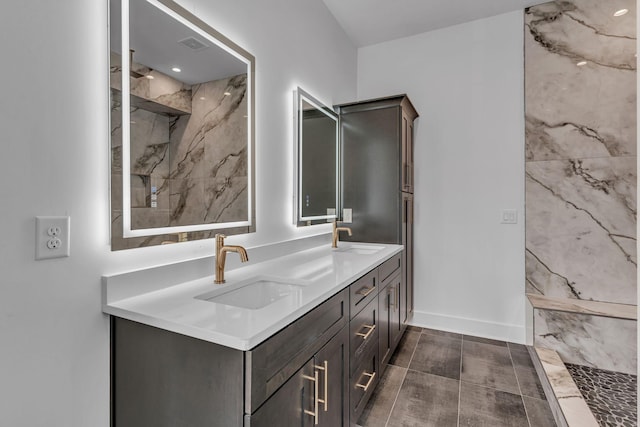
(360, 249)
(254, 294)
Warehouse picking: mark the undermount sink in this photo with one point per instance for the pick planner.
(360, 249)
(254, 294)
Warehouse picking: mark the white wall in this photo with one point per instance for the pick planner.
(54, 341)
(466, 82)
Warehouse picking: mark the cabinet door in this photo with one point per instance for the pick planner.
(332, 363)
(292, 405)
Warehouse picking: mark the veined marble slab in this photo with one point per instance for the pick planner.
(574, 408)
(580, 231)
(607, 309)
(584, 339)
(587, 110)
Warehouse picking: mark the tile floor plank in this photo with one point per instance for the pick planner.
(482, 406)
(402, 356)
(426, 401)
(529, 383)
(539, 412)
(437, 355)
(488, 365)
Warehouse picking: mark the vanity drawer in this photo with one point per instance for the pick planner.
(363, 291)
(364, 333)
(389, 267)
(270, 364)
(363, 382)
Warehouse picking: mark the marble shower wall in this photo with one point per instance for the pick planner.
(580, 94)
(189, 159)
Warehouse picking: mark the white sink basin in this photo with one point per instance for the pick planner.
(360, 249)
(254, 294)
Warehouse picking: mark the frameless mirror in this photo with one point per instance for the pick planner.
(316, 159)
(182, 144)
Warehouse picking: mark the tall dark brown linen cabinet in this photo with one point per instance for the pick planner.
(377, 178)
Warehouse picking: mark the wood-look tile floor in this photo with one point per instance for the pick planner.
(442, 379)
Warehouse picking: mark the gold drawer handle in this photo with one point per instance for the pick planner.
(325, 368)
(369, 332)
(366, 291)
(313, 413)
(371, 377)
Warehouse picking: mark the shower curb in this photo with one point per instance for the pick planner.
(567, 405)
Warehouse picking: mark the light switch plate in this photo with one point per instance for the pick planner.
(52, 237)
(347, 215)
(509, 216)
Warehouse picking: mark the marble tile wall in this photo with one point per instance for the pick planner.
(580, 95)
(192, 156)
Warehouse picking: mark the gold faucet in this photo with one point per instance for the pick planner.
(221, 256)
(336, 231)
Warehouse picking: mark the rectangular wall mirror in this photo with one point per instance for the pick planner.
(182, 115)
(316, 159)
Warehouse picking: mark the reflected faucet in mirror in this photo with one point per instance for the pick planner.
(221, 256)
(336, 232)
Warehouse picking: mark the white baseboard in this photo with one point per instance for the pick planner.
(475, 327)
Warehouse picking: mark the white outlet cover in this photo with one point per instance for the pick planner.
(45, 237)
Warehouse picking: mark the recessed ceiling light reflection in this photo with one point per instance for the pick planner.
(581, 63)
(621, 12)
(149, 76)
(227, 93)
(176, 69)
(202, 98)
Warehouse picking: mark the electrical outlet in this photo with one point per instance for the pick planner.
(347, 215)
(509, 216)
(52, 237)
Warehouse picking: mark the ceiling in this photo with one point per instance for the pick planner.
(369, 22)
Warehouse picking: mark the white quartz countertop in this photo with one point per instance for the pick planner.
(314, 275)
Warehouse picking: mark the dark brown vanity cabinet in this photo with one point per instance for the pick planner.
(296, 377)
(319, 370)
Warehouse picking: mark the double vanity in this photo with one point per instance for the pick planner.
(301, 334)
(296, 340)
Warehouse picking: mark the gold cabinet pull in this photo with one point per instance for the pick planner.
(371, 377)
(325, 400)
(392, 304)
(369, 332)
(313, 413)
(365, 291)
